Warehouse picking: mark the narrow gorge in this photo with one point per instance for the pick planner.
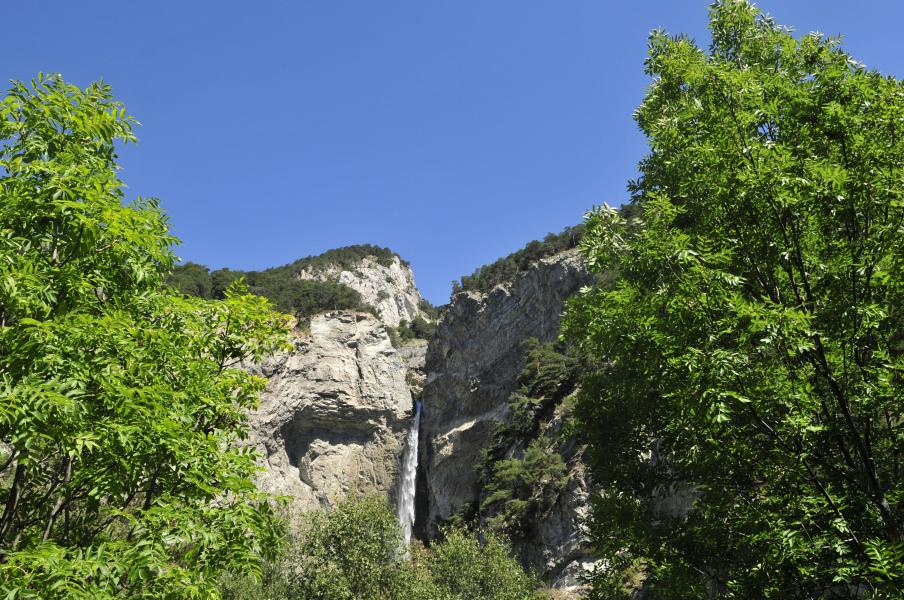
(364, 404)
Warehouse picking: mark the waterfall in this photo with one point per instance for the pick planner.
(409, 474)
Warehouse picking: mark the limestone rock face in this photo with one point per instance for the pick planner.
(414, 356)
(472, 367)
(389, 288)
(333, 418)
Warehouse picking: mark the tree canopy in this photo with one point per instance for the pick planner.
(301, 297)
(282, 285)
(747, 434)
(122, 407)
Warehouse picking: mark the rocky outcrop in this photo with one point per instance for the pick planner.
(333, 418)
(472, 366)
(414, 357)
(387, 285)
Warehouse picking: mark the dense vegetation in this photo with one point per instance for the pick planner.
(307, 297)
(355, 551)
(122, 408)
(347, 257)
(735, 372)
(747, 433)
(198, 280)
(301, 297)
(121, 412)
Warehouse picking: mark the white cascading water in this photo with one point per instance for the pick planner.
(409, 475)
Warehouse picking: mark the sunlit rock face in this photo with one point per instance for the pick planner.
(414, 356)
(389, 288)
(334, 417)
(332, 421)
(472, 368)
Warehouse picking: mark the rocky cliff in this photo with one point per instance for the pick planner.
(332, 420)
(387, 285)
(554, 543)
(472, 368)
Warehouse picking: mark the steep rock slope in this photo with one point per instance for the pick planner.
(472, 369)
(533, 481)
(414, 357)
(333, 418)
(387, 285)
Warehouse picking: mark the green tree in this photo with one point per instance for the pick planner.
(193, 279)
(353, 551)
(302, 297)
(121, 405)
(747, 434)
(468, 566)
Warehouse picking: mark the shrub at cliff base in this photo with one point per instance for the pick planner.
(121, 404)
(748, 433)
(355, 552)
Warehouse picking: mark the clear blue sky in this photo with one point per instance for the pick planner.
(453, 132)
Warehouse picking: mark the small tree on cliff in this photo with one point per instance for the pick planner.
(755, 335)
(121, 409)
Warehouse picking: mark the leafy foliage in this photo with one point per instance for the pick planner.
(464, 567)
(519, 491)
(301, 297)
(195, 280)
(281, 285)
(551, 372)
(121, 410)
(347, 257)
(355, 551)
(192, 276)
(749, 428)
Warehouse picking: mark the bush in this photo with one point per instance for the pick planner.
(355, 551)
(465, 567)
(417, 329)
